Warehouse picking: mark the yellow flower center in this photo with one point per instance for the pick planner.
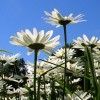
(3, 61)
(91, 45)
(64, 22)
(36, 46)
(41, 71)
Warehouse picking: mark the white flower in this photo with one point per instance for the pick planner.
(41, 71)
(76, 80)
(81, 94)
(5, 78)
(57, 19)
(76, 67)
(24, 98)
(60, 53)
(9, 59)
(78, 95)
(35, 40)
(97, 72)
(22, 90)
(81, 43)
(1, 84)
(48, 64)
(21, 98)
(47, 89)
(30, 67)
(58, 65)
(14, 98)
(55, 63)
(96, 54)
(30, 80)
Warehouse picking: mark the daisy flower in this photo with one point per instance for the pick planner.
(96, 54)
(35, 40)
(57, 19)
(9, 59)
(51, 63)
(76, 67)
(20, 91)
(78, 95)
(60, 53)
(76, 80)
(97, 72)
(81, 43)
(81, 94)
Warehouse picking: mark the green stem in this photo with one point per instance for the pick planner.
(86, 72)
(69, 71)
(53, 94)
(44, 84)
(35, 64)
(98, 95)
(38, 92)
(65, 78)
(92, 69)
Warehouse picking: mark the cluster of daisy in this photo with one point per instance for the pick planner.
(62, 76)
(12, 77)
(53, 68)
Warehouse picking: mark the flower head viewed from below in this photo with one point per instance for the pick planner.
(57, 19)
(81, 43)
(36, 40)
(60, 53)
(70, 73)
(78, 95)
(9, 59)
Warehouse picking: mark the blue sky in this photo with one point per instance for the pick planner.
(16, 15)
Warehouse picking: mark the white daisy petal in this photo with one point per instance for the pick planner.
(41, 35)
(18, 40)
(29, 36)
(30, 52)
(48, 14)
(81, 43)
(9, 59)
(55, 18)
(85, 38)
(35, 33)
(36, 41)
(47, 36)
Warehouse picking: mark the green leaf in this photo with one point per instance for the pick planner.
(5, 51)
(30, 92)
(92, 70)
(98, 95)
(86, 71)
(62, 85)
